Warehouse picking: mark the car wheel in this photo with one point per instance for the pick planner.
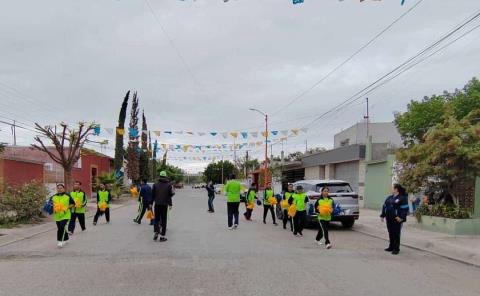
(348, 223)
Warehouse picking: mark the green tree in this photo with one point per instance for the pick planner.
(420, 116)
(2, 147)
(144, 156)
(295, 156)
(132, 151)
(175, 174)
(213, 172)
(119, 149)
(425, 114)
(447, 158)
(243, 165)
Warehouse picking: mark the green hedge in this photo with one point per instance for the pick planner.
(22, 204)
(445, 211)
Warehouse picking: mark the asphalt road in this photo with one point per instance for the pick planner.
(202, 257)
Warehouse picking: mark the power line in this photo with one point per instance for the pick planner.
(303, 93)
(422, 52)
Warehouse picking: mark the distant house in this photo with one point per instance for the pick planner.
(24, 164)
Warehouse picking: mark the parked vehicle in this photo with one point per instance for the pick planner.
(218, 188)
(341, 193)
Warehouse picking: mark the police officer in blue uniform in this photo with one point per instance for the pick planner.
(395, 211)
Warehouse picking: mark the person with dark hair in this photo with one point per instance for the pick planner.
(81, 200)
(103, 204)
(395, 211)
(162, 193)
(144, 201)
(324, 209)
(267, 206)
(251, 196)
(62, 205)
(211, 196)
(299, 199)
(286, 196)
(232, 189)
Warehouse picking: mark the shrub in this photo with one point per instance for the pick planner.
(445, 211)
(22, 204)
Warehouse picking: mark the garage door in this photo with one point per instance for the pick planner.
(348, 171)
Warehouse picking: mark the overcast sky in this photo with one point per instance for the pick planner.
(72, 61)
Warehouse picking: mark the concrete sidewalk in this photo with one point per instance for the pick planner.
(465, 249)
(22, 232)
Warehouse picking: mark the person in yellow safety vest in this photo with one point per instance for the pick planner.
(232, 190)
(299, 199)
(62, 205)
(80, 199)
(324, 208)
(267, 206)
(286, 196)
(251, 196)
(103, 200)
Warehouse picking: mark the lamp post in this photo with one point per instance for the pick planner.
(266, 142)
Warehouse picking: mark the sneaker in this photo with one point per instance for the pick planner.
(163, 239)
(70, 232)
(235, 226)
(94, 223)
(329, 246)
(155, 236)
(59, 244)
(319, 243)
(388, 250)
(275, 224)
(230, 228)
(395, 252)
(264, 222)
(300, 234)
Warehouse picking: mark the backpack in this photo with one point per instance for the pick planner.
(48, 206)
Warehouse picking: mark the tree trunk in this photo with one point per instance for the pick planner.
(67, 178)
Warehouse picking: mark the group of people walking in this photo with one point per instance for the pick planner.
(293, 204)
(67, 208)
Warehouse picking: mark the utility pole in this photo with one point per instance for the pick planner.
(223, 181)
(14, 133)
(367, 119)
(306, 146)
(246, 165)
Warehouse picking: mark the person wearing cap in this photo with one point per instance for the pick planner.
(162, 193)
(299, 199)
(62, 212)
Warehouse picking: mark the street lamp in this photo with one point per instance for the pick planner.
(266, 142)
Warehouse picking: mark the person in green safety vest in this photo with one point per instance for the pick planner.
(232, 189)
(286, 196)
(80, 199)
(299, 199)
(62, 205)
(324, 209)
(267, 206)
(103, 204)
(251, 197)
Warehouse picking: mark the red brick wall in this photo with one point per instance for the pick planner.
(16, 172)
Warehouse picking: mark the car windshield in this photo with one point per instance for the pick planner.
(335, 188)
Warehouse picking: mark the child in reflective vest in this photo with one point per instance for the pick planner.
(80, 199)
(103, 204)
(324, 209)
(284, 204)
(299, 199)
(62, 205)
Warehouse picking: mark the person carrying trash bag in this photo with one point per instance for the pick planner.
(251, 197)
(144, 201)
(81, 200)
(103, 204)
(62, 205)
(269, 202)
(299, 199)
(324, 208)
(162, 193)
(285, 205)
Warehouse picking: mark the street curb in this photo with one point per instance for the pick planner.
(49, 229)
(421, 249)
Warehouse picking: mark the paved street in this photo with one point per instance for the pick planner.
(202, 257)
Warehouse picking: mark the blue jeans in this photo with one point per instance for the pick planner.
(210, 203)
